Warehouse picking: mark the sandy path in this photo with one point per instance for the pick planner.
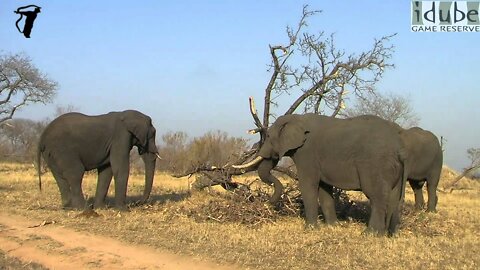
(56, 247)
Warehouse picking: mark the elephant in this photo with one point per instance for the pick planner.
(425, 160)
(74, 143)
(351, 154)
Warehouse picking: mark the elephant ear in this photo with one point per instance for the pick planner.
(138, 125)
(292, 135)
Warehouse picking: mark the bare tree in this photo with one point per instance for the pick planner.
(21, 84)
(395, 108)
(19, 139)
(318, 75)
(325, 76)
(474, 156)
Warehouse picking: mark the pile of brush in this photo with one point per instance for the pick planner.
(249, 204)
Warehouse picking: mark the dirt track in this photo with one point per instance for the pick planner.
(56, 247)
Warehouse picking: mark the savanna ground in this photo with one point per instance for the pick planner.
(216, 227)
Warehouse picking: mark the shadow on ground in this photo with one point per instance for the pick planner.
(136, 201)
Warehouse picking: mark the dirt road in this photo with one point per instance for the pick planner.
(56, 247)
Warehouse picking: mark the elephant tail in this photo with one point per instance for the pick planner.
(39, 165)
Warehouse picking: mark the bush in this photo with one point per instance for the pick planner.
(19, 140)
(212, 149)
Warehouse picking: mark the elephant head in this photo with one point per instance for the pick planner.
(143, 136)
(284, 136)
(288, 133)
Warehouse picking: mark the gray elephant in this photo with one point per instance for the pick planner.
(74, 143)
(351, 154)
(425, 159)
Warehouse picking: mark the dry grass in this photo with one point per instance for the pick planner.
(9, 263)
(229, 228)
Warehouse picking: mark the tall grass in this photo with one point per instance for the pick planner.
(448, 239)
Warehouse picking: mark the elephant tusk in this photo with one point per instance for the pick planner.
(249, 164)
(158, 156)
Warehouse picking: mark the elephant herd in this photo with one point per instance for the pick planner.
(363, 153)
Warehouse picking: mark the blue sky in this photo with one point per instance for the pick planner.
(191, 65)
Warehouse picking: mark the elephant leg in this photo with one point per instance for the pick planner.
(74, 177)
(376, 188)
(64, 171)
(104, 178)
(417, 190)
(327, 203)
(308, 183)
(432, 183)
(64, 188)
(377, 221)
(120, 169)
(394, 208)
(69, 169)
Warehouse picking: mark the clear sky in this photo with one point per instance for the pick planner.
(191, 65)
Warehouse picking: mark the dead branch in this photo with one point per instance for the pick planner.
(280, 69)
(474, 156)
(461, 176)
(319, 81)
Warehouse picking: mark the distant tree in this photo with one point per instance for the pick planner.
(179, 154)
(63, 109)
(214, 149)
(19, 139)
(173, 151)
(21, 84)
(392, 107)
(474, 156)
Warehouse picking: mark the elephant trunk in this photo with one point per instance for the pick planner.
(264, 172)
(150, 160)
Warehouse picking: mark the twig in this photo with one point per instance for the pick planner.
(44, 223)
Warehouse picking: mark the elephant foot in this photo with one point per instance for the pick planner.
(311, 227)
(66, 205)
(122, 208)
(419, 207)
(79, 203)
(393, 231)
(98, 205)
(71, 208)
(144, 201)
(431, 210)
(331, 222)
(373, 232)
(79, 207)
